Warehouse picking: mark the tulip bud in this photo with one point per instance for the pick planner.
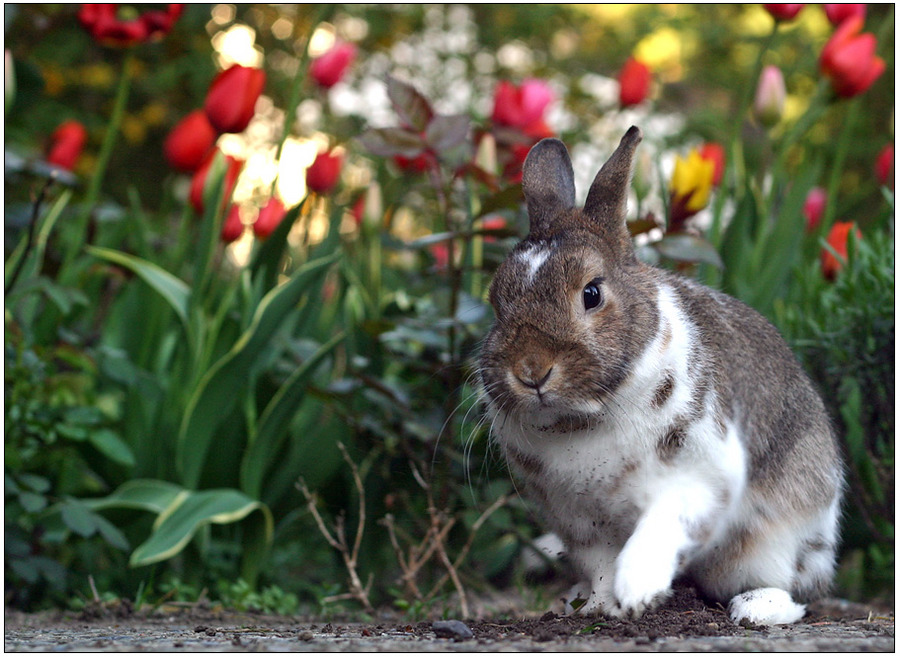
(768, 105)
(714, 153)
(65, 144)
(837, 240)
(838, 13)
(849, 60)
(329, 69)
(322, 175)
(784, 12)
(634, 82)
(233, 227)
(231, 99)
(884, 166)
(207, 176)
(189, 143)
(268, 218)
(814, 207)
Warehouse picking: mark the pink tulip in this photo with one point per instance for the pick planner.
(329, 69)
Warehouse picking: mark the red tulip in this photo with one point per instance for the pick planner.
(884, 166)
(322, 175)
(232, 97)
(269, 218)
(233, 227)
(783, 12)
(523, 107)
(441, 254)
(329, 69)
(105, 24)
(837, 240)
(229, 167)
(65, 144)
(715, 153)
(634, 82)
(814, 207)
(838, 13)
(494, 222)
(190, 142)
(416, 164)
(849, 59)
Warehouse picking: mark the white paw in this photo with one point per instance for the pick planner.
(769, 606)
(642, 582)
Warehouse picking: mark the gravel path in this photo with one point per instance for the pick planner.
(835, 627)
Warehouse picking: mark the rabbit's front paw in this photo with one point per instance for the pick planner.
(643, 581)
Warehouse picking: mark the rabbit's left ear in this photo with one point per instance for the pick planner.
(608, 195)
(548, 183)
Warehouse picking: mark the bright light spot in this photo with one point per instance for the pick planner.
(322, 40)
(354, 29)
(239, 250)
(236, 45)
(296, 156)
(282, 28)
(516, 56)
(223, 14)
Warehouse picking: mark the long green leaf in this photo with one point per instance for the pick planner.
(223, 384)
(170, 287)
(177, 525)
(143, 494)
(273, 423)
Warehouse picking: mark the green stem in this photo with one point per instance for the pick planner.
(297, 85)
(109, 142)
(837, 168)
(735, 173)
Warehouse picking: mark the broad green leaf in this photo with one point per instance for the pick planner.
(111, 534)
(32, 502)
(79, 518)
(170, 287)
(193, 511)
(226, 380)
(112, 447)
(273, 424)
(144, 494)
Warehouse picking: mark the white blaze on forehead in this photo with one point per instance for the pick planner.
(534, 258)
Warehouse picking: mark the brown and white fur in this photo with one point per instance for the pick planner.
(664, 428)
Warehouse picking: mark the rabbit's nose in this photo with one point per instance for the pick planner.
(534, 378)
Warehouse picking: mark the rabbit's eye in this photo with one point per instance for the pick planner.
(592, 295)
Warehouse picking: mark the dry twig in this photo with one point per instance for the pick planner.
(337, 537)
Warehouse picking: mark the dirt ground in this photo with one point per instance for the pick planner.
(685, 623)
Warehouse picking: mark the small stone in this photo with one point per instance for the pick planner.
(306, 635)
(452, 629)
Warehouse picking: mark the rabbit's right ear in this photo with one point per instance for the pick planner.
(548, 183)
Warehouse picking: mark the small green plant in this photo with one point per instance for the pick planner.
(843, 331)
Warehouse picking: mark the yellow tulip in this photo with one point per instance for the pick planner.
(692, 181)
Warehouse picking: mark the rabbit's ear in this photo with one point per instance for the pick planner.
(548, 183)
(608, 195)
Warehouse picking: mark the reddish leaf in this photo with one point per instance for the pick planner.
(445, 132)
(388, 142)
(412, 107)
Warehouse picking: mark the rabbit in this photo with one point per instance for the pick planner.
(663, 428)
